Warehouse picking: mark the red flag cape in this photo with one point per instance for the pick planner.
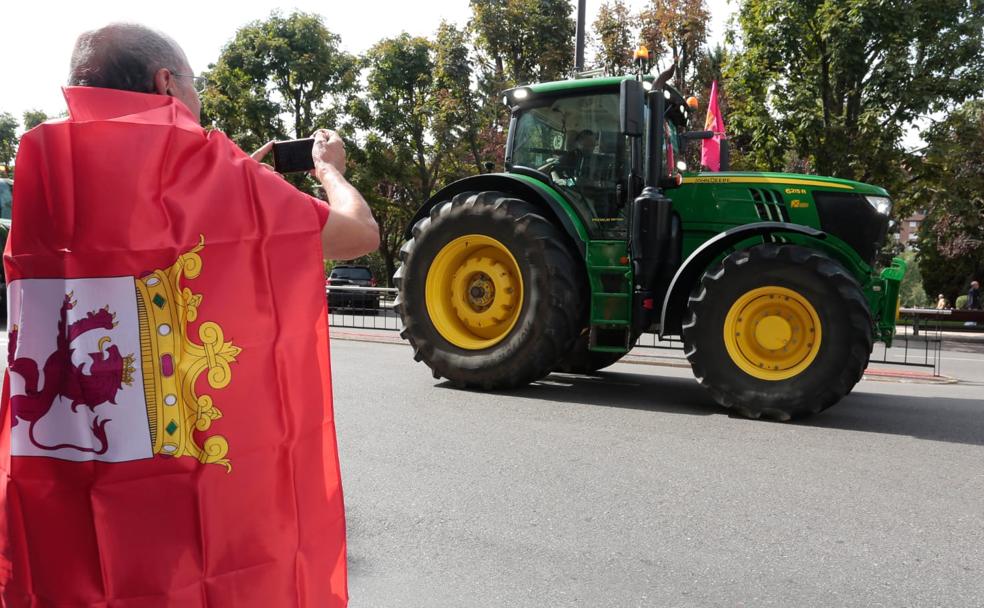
(710, 154)
(167, 431)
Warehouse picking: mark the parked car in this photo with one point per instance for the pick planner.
(347, 275)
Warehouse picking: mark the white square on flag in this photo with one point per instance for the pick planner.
(34, 308)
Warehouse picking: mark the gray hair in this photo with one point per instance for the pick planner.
(123, 56)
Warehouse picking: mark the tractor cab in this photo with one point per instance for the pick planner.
(575, 140)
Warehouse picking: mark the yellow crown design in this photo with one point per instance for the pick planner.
(128, 369)
(172, 363)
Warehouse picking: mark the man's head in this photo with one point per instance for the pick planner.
(132, 57)
(585, 141)
(975, 284)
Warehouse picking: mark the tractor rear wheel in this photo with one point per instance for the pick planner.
(491, 294)
(778, 331)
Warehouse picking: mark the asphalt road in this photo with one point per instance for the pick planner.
(635, 489)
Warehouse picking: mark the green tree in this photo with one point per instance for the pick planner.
(516, 42)
(8, 141)
(834, 83)
(384, 180)
(614, 35)
(523, 41)
(458, 113)
(279, 76)
(404, 150)
(33, 118)
(912, 292)
(710, 67)
(678, 29)
(947, 183)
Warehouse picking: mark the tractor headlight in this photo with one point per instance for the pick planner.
(521, 94)
(881, 204)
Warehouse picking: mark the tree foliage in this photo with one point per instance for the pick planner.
(912, 292)
(458, 113)
(8, 140)
(676, 29)
(279, 76)
(614, 37)
(949, 186)
(834, 83)
(403, 113)
(523, 41)
(33, 118)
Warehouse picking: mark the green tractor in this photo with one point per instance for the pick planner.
(596, 232)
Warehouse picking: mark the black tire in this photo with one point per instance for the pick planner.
(584, 361)
(553, 292)
(845, 322)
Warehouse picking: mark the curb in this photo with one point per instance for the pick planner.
(906, 377)
(351, 336)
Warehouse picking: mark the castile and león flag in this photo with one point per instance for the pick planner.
(167, 434)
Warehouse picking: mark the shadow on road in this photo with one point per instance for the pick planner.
(933, 418)
(629, 391)
(936, 419)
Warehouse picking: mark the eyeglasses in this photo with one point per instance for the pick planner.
(199, 82)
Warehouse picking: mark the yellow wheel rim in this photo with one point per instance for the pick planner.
(474, 292)
(772, 333)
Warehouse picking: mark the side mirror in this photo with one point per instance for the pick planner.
(631, 115)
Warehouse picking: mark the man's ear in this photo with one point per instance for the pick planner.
(164, 82)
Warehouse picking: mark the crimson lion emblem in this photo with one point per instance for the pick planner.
(108, 372)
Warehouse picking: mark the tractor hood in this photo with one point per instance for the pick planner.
(856, 213)
(787, 180)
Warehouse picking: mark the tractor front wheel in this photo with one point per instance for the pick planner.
(778, 331)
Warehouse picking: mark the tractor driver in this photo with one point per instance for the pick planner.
(572, 165)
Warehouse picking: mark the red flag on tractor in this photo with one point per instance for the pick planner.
(167, 435)
(710, 154)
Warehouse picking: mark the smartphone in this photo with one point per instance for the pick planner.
(293, 155)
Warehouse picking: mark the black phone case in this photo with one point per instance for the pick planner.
(293, 155)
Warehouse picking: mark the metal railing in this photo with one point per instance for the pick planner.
(918, 341)
(362, 307)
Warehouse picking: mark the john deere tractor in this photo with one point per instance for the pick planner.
(596, 232)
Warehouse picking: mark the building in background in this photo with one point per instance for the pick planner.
(909, 228)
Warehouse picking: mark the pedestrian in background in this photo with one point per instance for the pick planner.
(941, 303)
(974, 297)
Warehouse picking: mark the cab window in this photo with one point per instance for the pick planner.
(576, 140)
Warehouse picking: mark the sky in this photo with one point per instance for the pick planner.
(37, 40)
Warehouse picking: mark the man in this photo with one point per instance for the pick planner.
(167, 428)
(974, 296)
(571, 165)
